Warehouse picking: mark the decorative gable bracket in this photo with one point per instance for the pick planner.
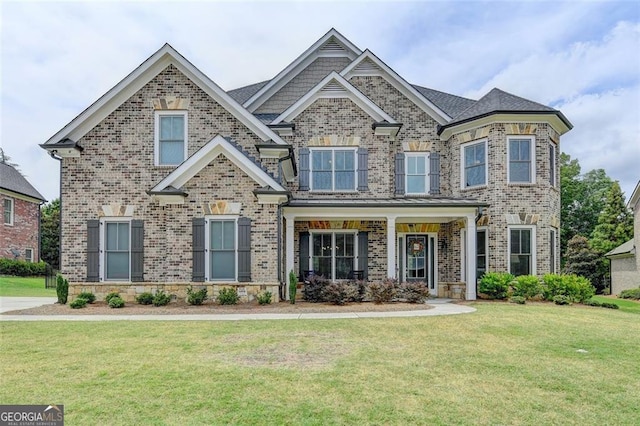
(66, 148)
(284, 155)
(384, 128)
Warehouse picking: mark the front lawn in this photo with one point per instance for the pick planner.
(24, 287)
(505, 364)
(626, 305)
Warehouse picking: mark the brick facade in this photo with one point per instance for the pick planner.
(24, 233)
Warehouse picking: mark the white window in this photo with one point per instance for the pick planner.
(221, 238)
(552, 250)
(170, 137)
(553, 164)
(8, 211)
(28, 255)
(474, 164)
(116, 250)
(522, 250)
(482, 252)
(333, 254)
(521, 156)
(417, 173)
(333, 170)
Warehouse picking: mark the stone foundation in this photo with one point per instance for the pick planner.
(128, 292)
(452, 290)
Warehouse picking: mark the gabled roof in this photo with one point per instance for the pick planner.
(623, 250)
(369, 64)
(139, 77)
(635, 197)
(173, 183)
(12, 180)
(242, 94)
(500, 102)
(451, 104)
(334, 86)
(331, 44)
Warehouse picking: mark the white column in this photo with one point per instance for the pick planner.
(391, 246)
(471, 257)
(289, 256)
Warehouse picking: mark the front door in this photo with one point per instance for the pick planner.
(417, 259)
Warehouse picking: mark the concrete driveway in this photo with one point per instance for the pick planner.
(8, 304)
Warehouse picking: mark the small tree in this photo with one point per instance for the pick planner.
(50, 233)
(582, 260)
(293, 286)
(62, 289)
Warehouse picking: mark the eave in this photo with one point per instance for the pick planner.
(267, 196)
(386, 129)
(66, 148)
(283, 129)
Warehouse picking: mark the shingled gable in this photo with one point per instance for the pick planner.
(11, 180)
(331, 44)
(137, 79)
(368, 64)
(168, 190)
(335, 86)
(498, 105)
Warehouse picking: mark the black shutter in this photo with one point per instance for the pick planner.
(434, 173)
(303, 174)
(93, 250)
(400, 174)
(304, 254)
(401, 257)
(198, 249)
(363, 253)
(363, 169)
(244, 249)
(137, 250)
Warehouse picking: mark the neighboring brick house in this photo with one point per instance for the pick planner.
(337, 165)
(625, 259)
(20, 229)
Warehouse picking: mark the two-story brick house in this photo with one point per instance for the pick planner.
(337, 165)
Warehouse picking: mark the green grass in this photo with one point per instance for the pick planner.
(626, 305)
(24, 286)
(505, 364)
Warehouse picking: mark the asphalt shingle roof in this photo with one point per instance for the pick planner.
(452, 105)
(242, 94)
(12, 180)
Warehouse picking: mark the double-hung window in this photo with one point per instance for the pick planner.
(117, 251)
(522, 251)
(222, 247)
(521, 154)
(333, 170)
(8, 211)
(28, 255)
(333, 254)
(482, 252)
(553, 166)
(170, 138)
(417, 173)
(552, 250)
(474, 164)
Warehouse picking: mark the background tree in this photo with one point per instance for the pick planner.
(582, 260)
(50, 233)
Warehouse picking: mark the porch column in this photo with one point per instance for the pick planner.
(289, 256)
(391, 246)
(471, 258)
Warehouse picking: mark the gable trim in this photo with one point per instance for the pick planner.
(505, 117)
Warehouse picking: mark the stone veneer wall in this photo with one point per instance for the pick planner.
(23, 234)
(117, 168)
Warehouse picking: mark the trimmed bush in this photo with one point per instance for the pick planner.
(633, 293)
(110, 296)
(145, 298)
(293, 286)
(574, 288)
(22, 268)
(116, 302)
(383, 292)
(610, 305)
(62, 289)
(161, 298)
(264, 297)
(518, 299)
(340, 293)
(196, 297)
(361, 290)
(561, 299)
(313, 288)
(495, 285)
(88, 296)
(228, 296)
(414, 292)
(79, 303)
(592, 302)
(527, 286)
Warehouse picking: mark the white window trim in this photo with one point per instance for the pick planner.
(433, 286)
(463, 176)
(156, 135)
(103, 251)
(532, 155)
(427, 170)
(553, 243)
(553, 168)
(534, 246)
(28, 259)
(463, 251)
(207, 245)
(333, 149)
(356, 260)
(13, 211)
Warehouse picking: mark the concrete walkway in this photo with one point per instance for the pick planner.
(8, 304)
(439, 307)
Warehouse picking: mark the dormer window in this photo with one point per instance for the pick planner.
(170, 137)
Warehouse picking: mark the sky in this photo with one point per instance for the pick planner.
(581, 57)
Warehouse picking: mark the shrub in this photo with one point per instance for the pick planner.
(495, 284)
(414, 292)
(520, 300)
(88, 296)
(527, 286)
(62, 289)
(561, 299)
(313, 288)
(22, 268)
(264, 298)
(196, 297)
(145, 298)
(361, 290)
(293, 286)
(574, 288)
(633, 293)
(116, 302)
(111, 295)
(339, 293)
(228, 296)
(610, 305)
(383, 292)
(161, 298)
(592, 302)
(78, 303)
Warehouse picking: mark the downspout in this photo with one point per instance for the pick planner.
(53, 155)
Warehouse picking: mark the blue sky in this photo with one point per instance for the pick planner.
(579, 57)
